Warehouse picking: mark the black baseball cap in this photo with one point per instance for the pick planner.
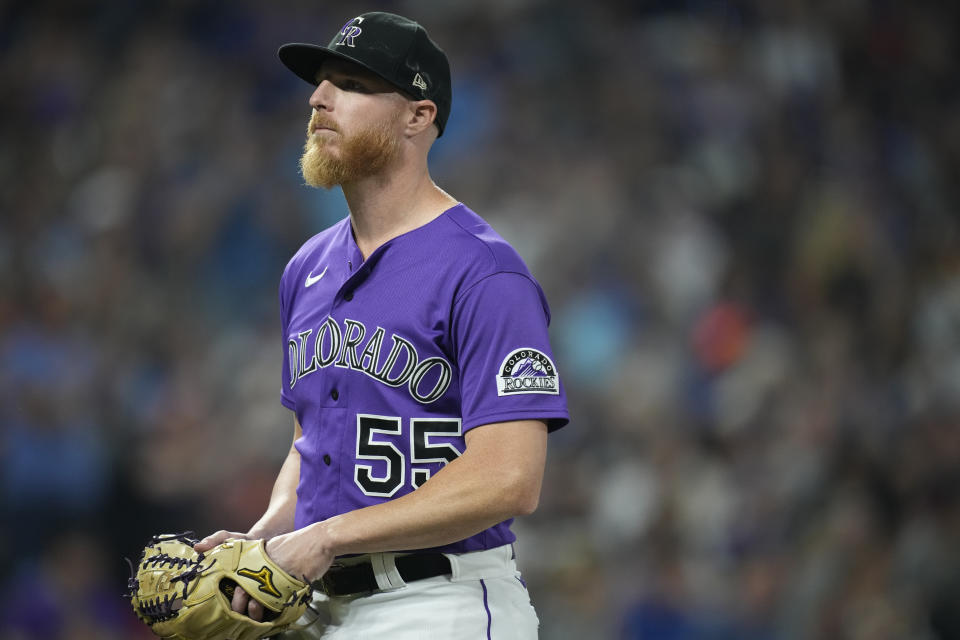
(395, 48)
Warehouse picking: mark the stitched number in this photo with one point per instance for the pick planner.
(369, 449)
(424, 452)
(387, 471)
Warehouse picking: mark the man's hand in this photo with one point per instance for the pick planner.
(219, 537)
(303, 553)
(241, 602)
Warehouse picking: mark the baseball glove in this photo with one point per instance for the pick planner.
(186, 595)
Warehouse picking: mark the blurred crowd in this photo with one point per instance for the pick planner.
(743, 212)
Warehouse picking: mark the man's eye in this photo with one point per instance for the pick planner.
(353, 85)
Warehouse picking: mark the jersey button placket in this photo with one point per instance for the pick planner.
(335, 395)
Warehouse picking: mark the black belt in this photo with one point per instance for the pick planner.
(346, 580)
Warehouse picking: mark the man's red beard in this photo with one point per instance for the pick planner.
(362, 155)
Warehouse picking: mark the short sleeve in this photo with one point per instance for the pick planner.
(507, 369)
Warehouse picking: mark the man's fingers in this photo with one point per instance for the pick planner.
(240, 600)
(243, 603)
(213, 540)
(255, 610)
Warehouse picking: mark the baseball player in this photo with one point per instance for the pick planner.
(416, 362)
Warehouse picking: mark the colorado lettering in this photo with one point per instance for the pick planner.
(353, 347)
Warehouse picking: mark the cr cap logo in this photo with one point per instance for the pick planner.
(527, 371)
(350, 31)
(264, 578)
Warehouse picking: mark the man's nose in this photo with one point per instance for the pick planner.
(322, 97)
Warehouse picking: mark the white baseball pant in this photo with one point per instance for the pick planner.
(483, 599)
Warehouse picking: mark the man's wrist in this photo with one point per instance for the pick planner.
(324, 536)
(260, 531)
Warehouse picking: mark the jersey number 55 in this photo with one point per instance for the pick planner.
(377, 439)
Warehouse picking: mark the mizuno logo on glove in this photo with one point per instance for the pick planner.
(263, 578)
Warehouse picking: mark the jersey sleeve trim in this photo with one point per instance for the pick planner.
(554, 419)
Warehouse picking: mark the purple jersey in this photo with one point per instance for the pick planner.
(388, 362)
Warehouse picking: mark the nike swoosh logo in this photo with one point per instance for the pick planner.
(312, 279)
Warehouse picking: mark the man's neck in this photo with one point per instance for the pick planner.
(385, 206)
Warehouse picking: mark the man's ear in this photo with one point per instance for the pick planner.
(421, 116)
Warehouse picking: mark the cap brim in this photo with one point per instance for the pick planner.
(305, 60)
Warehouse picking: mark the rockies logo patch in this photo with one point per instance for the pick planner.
(527, 371)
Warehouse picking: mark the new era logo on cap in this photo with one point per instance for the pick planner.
(395, 48)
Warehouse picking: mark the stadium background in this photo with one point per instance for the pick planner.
(744, 214)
